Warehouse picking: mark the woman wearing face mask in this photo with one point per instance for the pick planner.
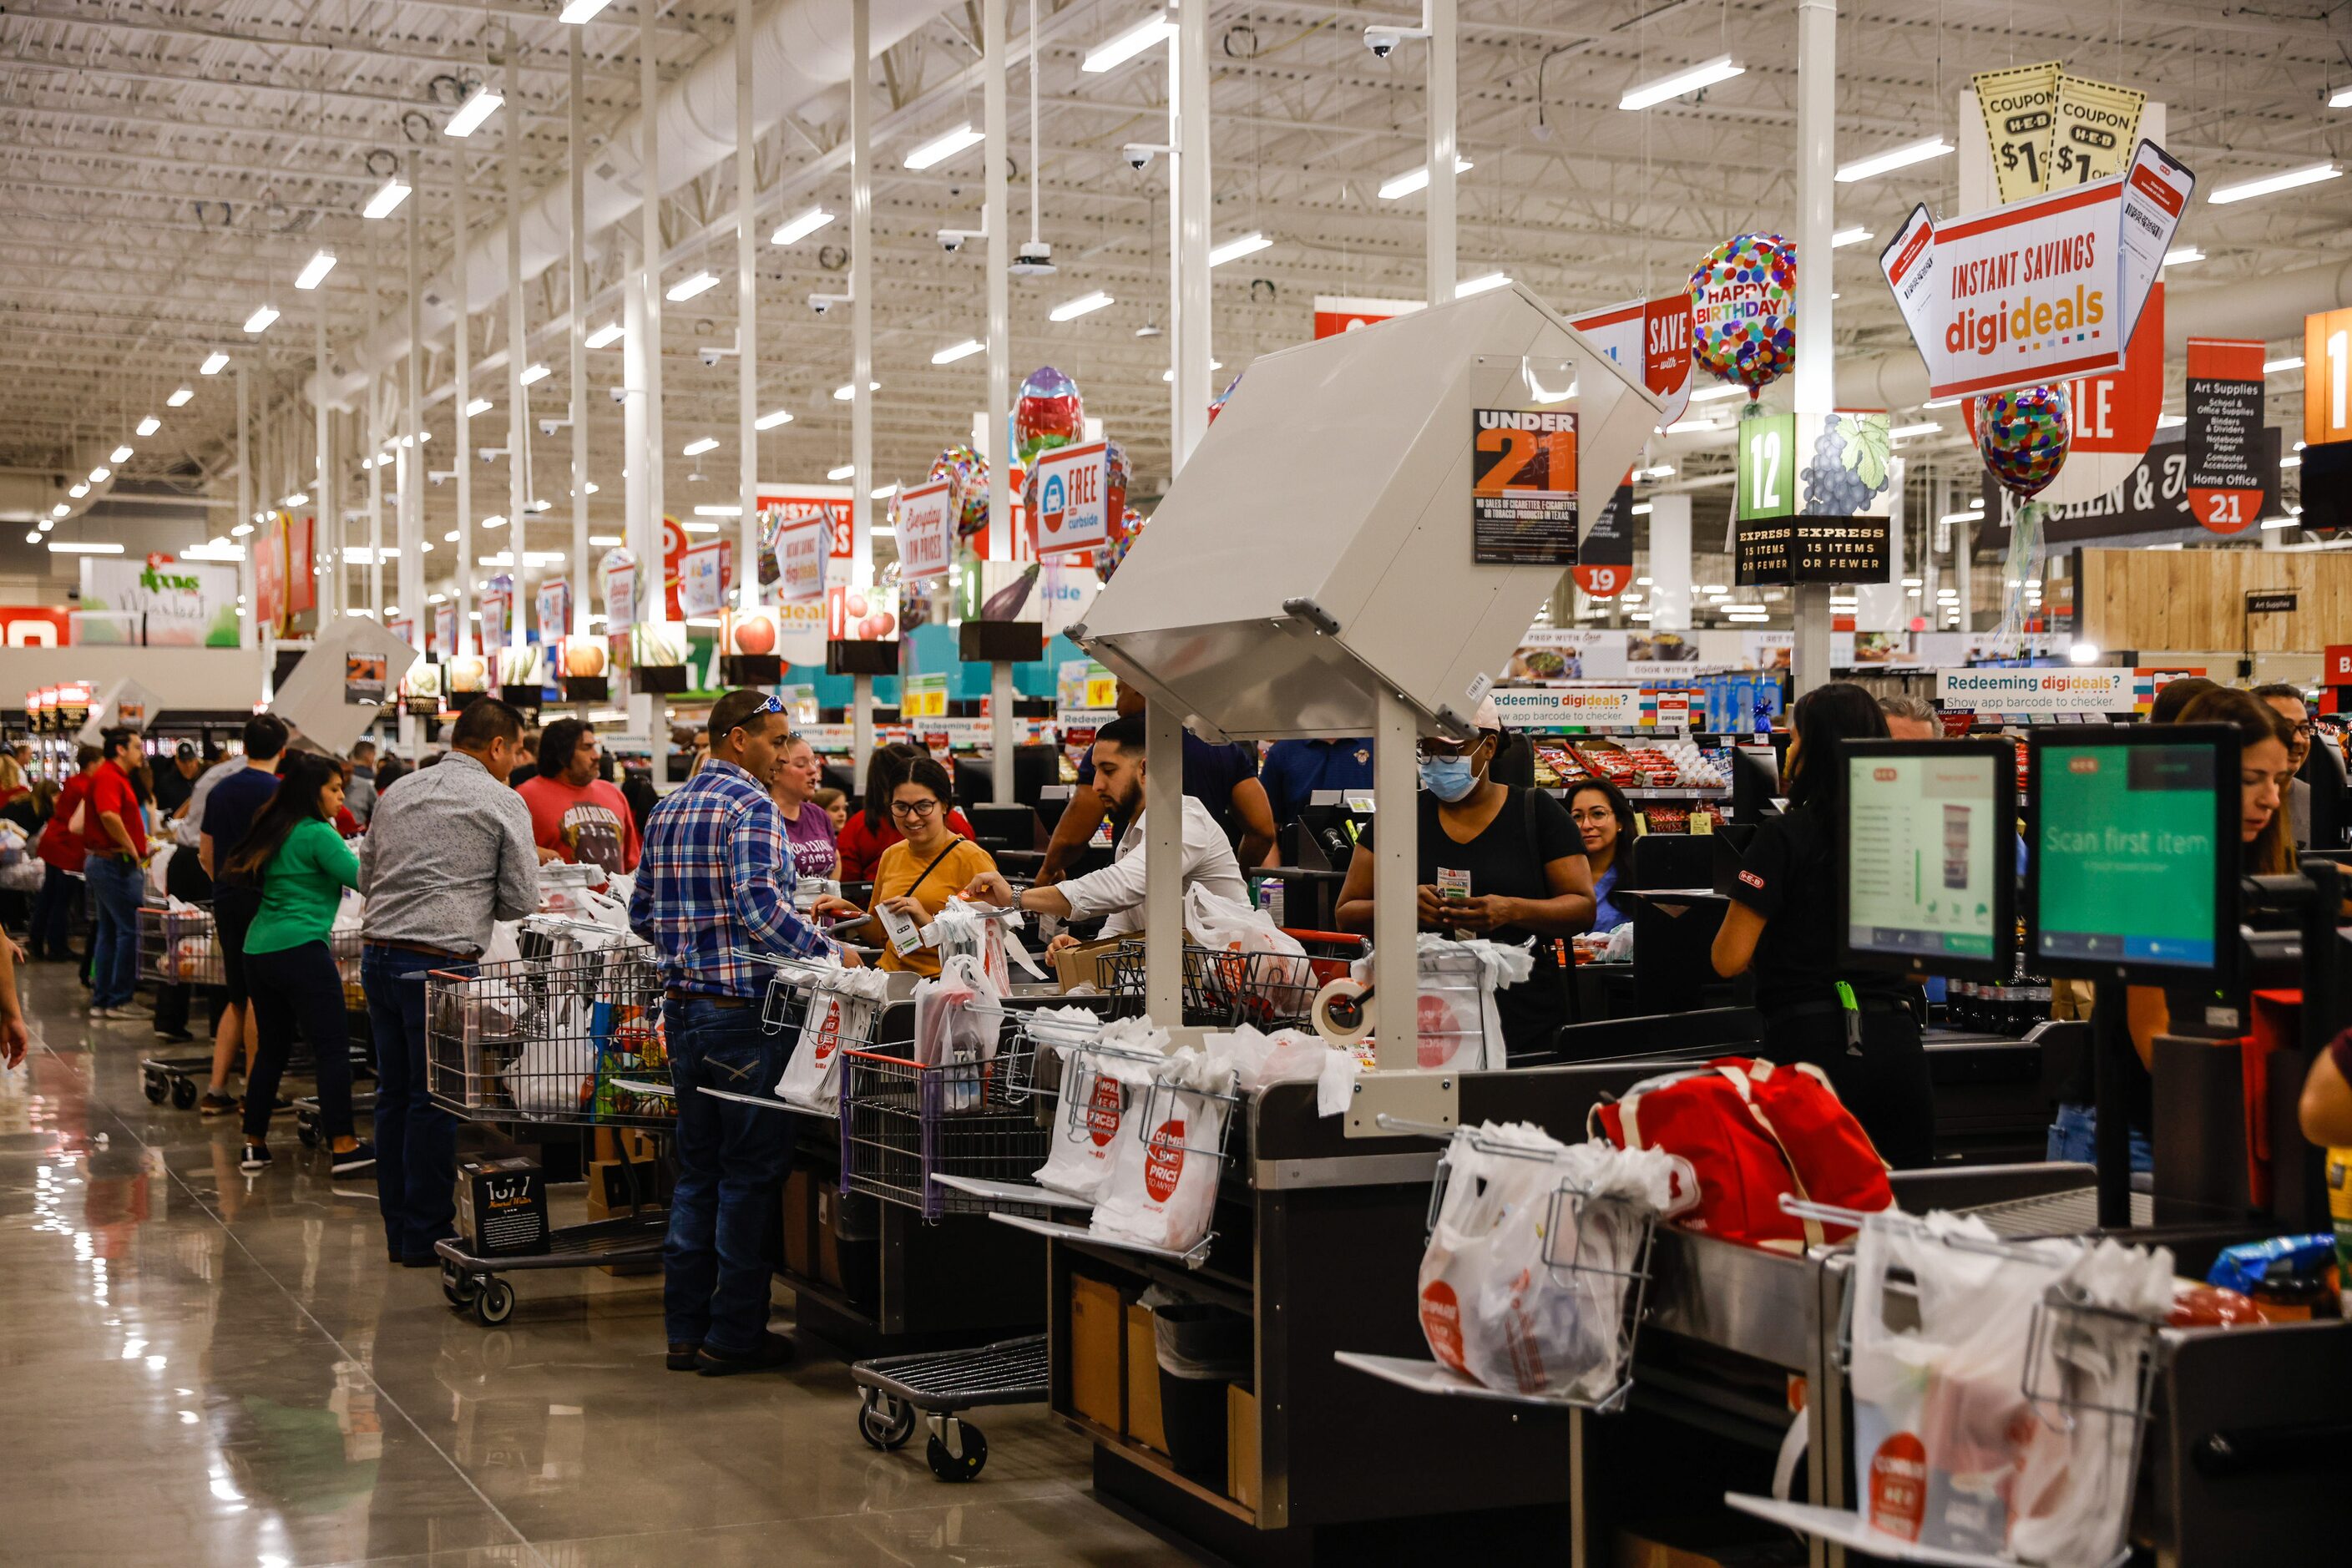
(1853, 1025)
(1498, 862)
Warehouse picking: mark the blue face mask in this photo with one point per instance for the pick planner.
(1448, 778)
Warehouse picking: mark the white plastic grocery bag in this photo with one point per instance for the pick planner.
(839, 1015)
(957, 1019)
(556, 1071)
(961, 927)
(1484, 1191)
(1083, 1145)
(1277, 986)
(1163, 1186)
(1459, 1026)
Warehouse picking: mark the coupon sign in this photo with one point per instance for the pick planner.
(802, 550)
(1074, 498)
(926, 530)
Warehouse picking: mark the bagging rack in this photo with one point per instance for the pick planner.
(1055, 1047)
(1569, 1213)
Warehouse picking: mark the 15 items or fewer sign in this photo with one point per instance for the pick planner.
(1523, 487)
(2225, 424)
(926, 531)
(1074, 498)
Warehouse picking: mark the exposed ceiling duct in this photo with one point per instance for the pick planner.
(801, 50)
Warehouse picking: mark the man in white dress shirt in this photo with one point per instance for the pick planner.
(1116, 890)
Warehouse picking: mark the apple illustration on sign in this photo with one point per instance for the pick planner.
(755, 634)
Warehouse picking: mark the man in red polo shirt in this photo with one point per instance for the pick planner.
(114, 831)
(61, 857)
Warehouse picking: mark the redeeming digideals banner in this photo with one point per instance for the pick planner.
(2037, 690)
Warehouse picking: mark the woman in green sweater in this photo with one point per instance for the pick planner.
(303, 867)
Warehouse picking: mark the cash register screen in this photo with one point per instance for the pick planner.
(1931, 855)
(2127, 841)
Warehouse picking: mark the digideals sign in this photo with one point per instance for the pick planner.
(1655, 334)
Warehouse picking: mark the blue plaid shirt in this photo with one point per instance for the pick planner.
(715, 875)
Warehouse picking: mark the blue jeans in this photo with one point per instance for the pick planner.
(114, 887)
(415, 1140)
(731, 1159)
(2075, 1135)
(52, 929)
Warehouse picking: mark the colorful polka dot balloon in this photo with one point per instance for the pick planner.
(1218, 406)
(1743, 301)
(2023, 434)
(968, 470)
(1046, 414)
(1115, 488)
(1106, 560)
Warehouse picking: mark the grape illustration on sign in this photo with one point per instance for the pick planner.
(1850, 467)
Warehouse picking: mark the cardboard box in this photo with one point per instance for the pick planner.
(1143, 1420)
(501, 1207)
(800, 1224)
(829, 1243)
(1240, 1445)
(1097, 1338)
(1076, 966)
(611, 1182)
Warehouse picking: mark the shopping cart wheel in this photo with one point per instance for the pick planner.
(972, 1453)
(158, 1088)
(184, 1094)
(459, 1288)
(495, 1304)
(885, 1421)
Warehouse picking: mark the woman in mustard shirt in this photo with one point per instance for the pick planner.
(303, 867)
(923, 870)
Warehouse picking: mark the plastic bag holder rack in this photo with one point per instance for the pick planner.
(1425, 1376)
(1044, 1034)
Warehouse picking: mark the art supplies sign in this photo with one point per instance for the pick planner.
(1074, 498)
(926, 531)
(2152, 498)
(2225, 426)
(2040, 291)
(1523, 487)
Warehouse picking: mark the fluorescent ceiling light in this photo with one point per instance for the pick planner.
(1717, 393)
(1664, 471)
(215, 363)
(180, 398)
(388, 196)
(1412, 180)
(259, 321)
(1085, 304)
(1941, 403)
(940, 149)
(848, 390)
(534, 375)
(2272, 366)
(577, 12)
(314, 271)
(1692, 426)
(496, 520)
(883, 492)
(2278, 522)
(1974, 515)
(605, 540)
(1170, 374)
(1469, 286)
(299, 497)
(1235, 249)
(718, 511)
(213, 553)
(792, 230)
(955, 352)
(2170, 421)
(80, 490)
(700, 283)
(696, 448)
(101, 474)
(59, 510)
(1894, 158)
(846, 472)
(610, 331)
(1117, 51)
(1642, 509)
(2340, 99)
(699, 527)
(472, 113)
(1925, 428)
(774, 417)
(33, 538)
(479, 405)
(2271, 185)
(1846, 236)
(120, 455)
(149, 425)
(2290, 462)
(241, 529)
(82, 547)
(2182, 256)
(1722, 68)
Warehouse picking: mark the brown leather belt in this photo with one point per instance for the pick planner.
(714, 1000)
(427, 949)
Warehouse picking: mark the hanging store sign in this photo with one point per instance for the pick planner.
(1810, 550)
(498, 610)
(444, 631)
(1523, 487)
(553, 603)
(2270, 602)
(2017, 109)
(802, 552)
(1821, 516)
(365, 681)
(2327, 377)
(1604, 556)
(1074, 498)
(2152, 498)
(2225, 425)
(926, 531)
(620, 574)
(164, 601)
(1336, 313)
(1652, 336)
(2096, 125)
(701, 579)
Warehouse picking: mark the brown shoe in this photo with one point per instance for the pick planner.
(682, 1354)
(773, 1351)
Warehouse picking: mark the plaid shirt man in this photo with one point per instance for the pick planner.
(709, 882)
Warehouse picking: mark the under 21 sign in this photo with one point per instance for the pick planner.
(1074, 498)
(1523, 487)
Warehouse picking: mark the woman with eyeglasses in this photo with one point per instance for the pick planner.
(1498, 861)
(808, 828)
(920, 873)
(872, 830)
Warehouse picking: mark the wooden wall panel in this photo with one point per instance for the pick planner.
(2196, 598)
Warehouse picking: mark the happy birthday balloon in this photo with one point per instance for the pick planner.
(1218, 406)
(2023, 434)
(1743, 301)
(1106, 560)
(968, 472)
(1046, 414)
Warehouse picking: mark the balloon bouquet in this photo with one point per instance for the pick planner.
(2023, 434)
(1743, 304)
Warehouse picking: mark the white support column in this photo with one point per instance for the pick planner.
(1669, 564)
(861, 345)
(1163, 864)
(649, 456)
(1188, 231)
(747, 314)
(251, 610)
(1964, 563)
(581, 573)
(1396, 958)
(375, 420)
(998, 221)
(518, 359)
(320, 487)
(461, 588)
(1816, 203)
(1443, 266)
(411, 575)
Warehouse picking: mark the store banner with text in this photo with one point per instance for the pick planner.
(2152, 498)
(1336, 313)
(802, 550)
(1653, 335)
(268, 546)
(36, 625)
(619, 571)
(2036, 691)
(2044, 289)
(1560, 707)
(2327, 377)
(553, 604)
(444, 631)
(783, 508)
(1523, 487)
(701, 579)
(2225, 424)
(926, 531)
(169, 602)
(1074, 498)
(498, 610)
(1604, 557)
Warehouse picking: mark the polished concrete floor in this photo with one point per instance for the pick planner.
(198, 1366)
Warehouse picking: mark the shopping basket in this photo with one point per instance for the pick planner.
(1223, 989)
(902, 1123)
(176, 946)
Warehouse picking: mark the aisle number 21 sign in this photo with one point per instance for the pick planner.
(2327, 377)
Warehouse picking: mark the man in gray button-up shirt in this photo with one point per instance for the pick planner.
(448, 853)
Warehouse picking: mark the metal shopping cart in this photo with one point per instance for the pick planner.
(178, 946)
(1223, 990)
(570, 1038)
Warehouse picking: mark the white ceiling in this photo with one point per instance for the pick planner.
(164, 167)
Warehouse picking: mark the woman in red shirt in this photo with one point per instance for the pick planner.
(869, 832)
(61, 850)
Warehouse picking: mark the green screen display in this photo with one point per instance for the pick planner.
(2127, 854)
(1924, 846)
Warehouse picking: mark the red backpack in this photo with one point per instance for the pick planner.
(1753, 1132)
